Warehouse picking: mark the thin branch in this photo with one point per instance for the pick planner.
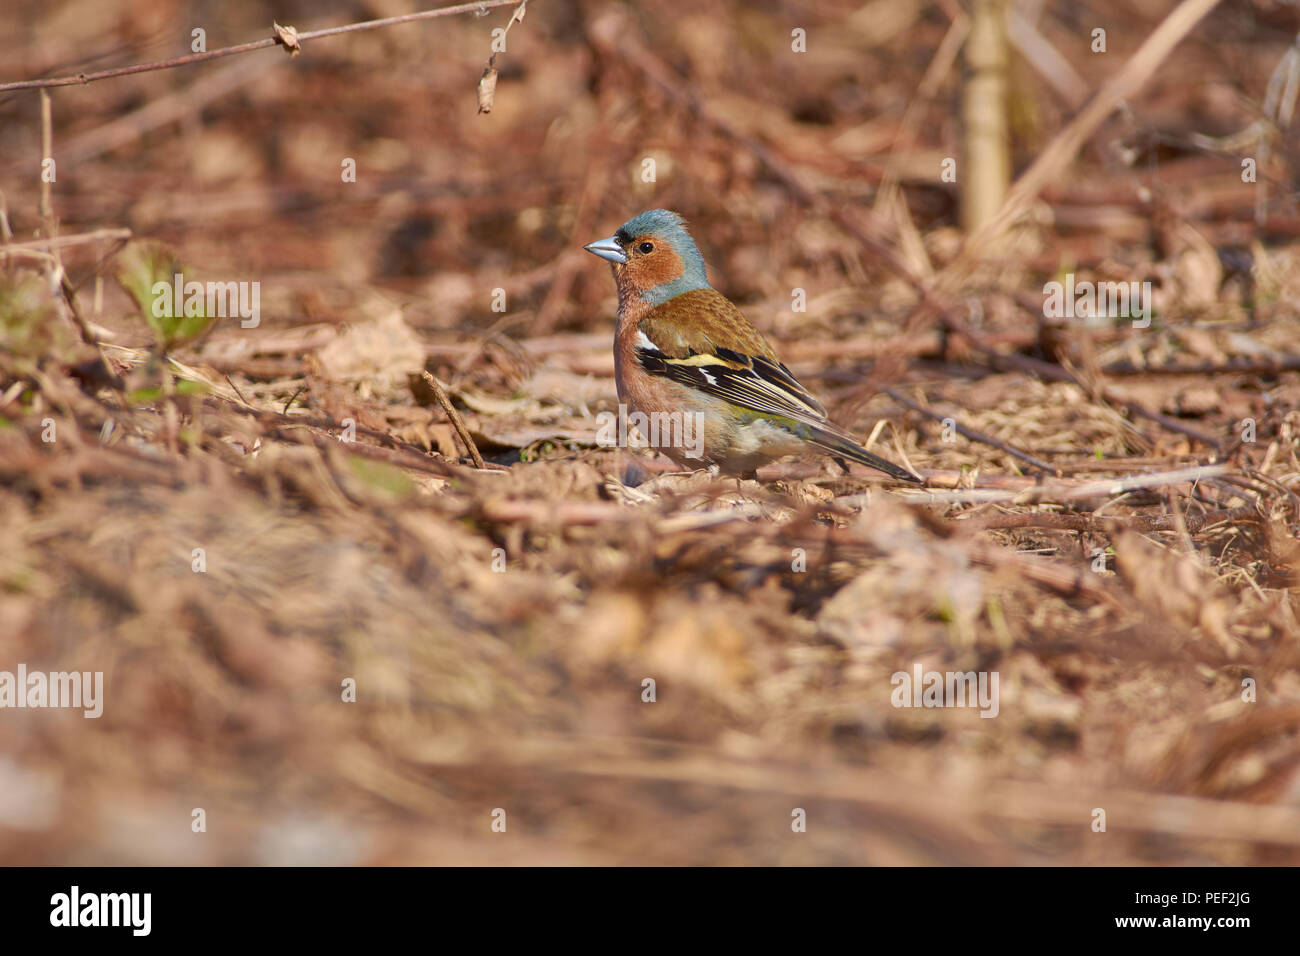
(398, 457)
(971, 433)
(53, 263)
(1277, 363)
(940, 66)
(487, 84)
(1195, 523)
(1046, 61)
(456, 421)
(289, 404)
(1059, 491)
(237, 391)
(81, 79)
(63, 242)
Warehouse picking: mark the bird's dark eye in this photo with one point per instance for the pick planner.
(646, 247)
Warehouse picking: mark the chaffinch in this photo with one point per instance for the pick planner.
(681, 349)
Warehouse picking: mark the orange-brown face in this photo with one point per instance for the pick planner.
(654, 258)
(651, 262)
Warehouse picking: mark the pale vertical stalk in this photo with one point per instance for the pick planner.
(47, 151)
(986, 166)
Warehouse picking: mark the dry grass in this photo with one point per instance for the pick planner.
(478, 688)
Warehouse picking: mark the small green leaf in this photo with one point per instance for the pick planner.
(29, 324)
(185, 386)
(382, 476)
(144, 396)
(148, 273)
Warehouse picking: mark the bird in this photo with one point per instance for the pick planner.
(681, 348)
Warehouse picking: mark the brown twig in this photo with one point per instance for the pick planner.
(456, 421)
(289, 404)
(970, 433)
(1001, 488)
(62, 242)
(487, 84)
(1195, 523)
(280, 421)
(49, 226)
(232, 384)
(1279, 363)
(83, 78)
(940, 65)
(397, 457)
(1046, 60)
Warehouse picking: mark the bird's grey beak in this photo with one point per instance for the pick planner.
(607, 249)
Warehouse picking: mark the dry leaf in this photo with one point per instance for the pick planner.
(288, 36)
(487, 90)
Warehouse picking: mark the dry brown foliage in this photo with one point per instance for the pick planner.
(521, 688)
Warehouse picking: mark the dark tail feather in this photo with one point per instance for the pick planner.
(843, 445)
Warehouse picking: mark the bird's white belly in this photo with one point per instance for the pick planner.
(764, 438)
